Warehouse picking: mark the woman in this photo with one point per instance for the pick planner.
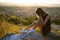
(43, 22)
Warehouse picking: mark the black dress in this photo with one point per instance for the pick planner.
(47, 27)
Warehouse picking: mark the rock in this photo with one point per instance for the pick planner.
(33, 36)
(6, 37)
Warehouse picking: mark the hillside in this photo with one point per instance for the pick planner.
(13, 17)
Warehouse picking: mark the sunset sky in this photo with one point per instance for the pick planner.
(32, 2)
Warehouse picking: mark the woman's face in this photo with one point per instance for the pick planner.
(38, 16)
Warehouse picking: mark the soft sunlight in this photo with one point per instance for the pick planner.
(32, 2)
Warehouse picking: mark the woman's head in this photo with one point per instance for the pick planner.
(39, 11)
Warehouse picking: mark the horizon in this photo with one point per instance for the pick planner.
(47, 3)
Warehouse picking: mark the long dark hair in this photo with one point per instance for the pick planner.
(39, 11)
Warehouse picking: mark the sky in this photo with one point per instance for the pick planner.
(32, 2)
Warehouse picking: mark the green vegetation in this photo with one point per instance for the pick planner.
(14, 21)
(28, 20)
(10, 22)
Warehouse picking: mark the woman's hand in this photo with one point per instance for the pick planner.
(23, 31)
(31, 31)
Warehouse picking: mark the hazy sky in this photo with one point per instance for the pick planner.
(32, 2)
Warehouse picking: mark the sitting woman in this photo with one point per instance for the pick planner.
(43, 22)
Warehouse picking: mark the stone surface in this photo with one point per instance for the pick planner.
(32, 36)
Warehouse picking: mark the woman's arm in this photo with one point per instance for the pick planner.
(33, 24)
(39, 23)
